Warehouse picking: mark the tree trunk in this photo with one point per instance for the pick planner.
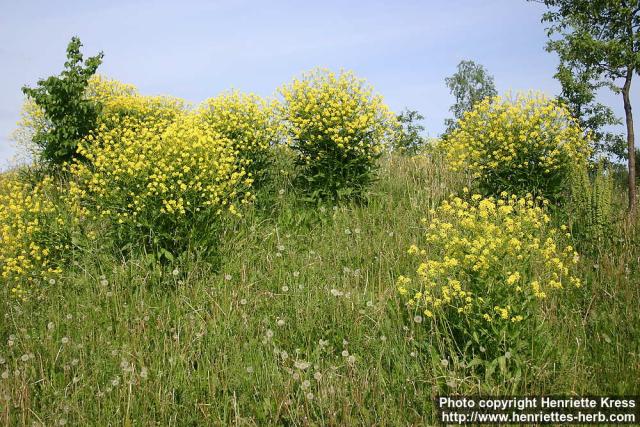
(630, 142)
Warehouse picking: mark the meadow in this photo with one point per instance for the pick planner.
(253, 262)
(299, 324)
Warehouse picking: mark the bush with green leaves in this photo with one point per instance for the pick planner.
(67, 114)
(409, 140)
(338, 128)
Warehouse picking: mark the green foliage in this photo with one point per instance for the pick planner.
(603, 39)
(599, 35)
(68, 114)
(592, 210)
(469, 85)
(579, 95)
(409, 140)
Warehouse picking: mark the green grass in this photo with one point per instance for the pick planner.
(265, 335)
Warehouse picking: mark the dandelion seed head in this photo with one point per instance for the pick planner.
(301, 364)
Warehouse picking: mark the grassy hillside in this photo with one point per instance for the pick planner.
(296, 320)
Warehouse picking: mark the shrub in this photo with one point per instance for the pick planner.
(526, 145)
(159, 174)
(408, 140)
(68, 114)
(33, 120)
(250, 123)
(338, 129)
(486, 266)
(33, 237)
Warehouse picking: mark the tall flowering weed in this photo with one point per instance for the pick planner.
(32, 236)
(250, 123)
(524, 145)
(338, 128)
(485, 268)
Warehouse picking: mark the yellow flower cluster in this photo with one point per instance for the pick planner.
(488, 260)
(249, 122)
(153, 164)
(520, 145)
(140, 111)
(102, 89)
(327, 113)
(26, 248)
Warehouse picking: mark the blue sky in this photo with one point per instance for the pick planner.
(196, 49)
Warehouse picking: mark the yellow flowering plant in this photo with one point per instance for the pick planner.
(160, 174)
(485, 269)
(138, 110)
(250, 124)
(524, 145)
(34, 236)
(102, 89)
(338, 128)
